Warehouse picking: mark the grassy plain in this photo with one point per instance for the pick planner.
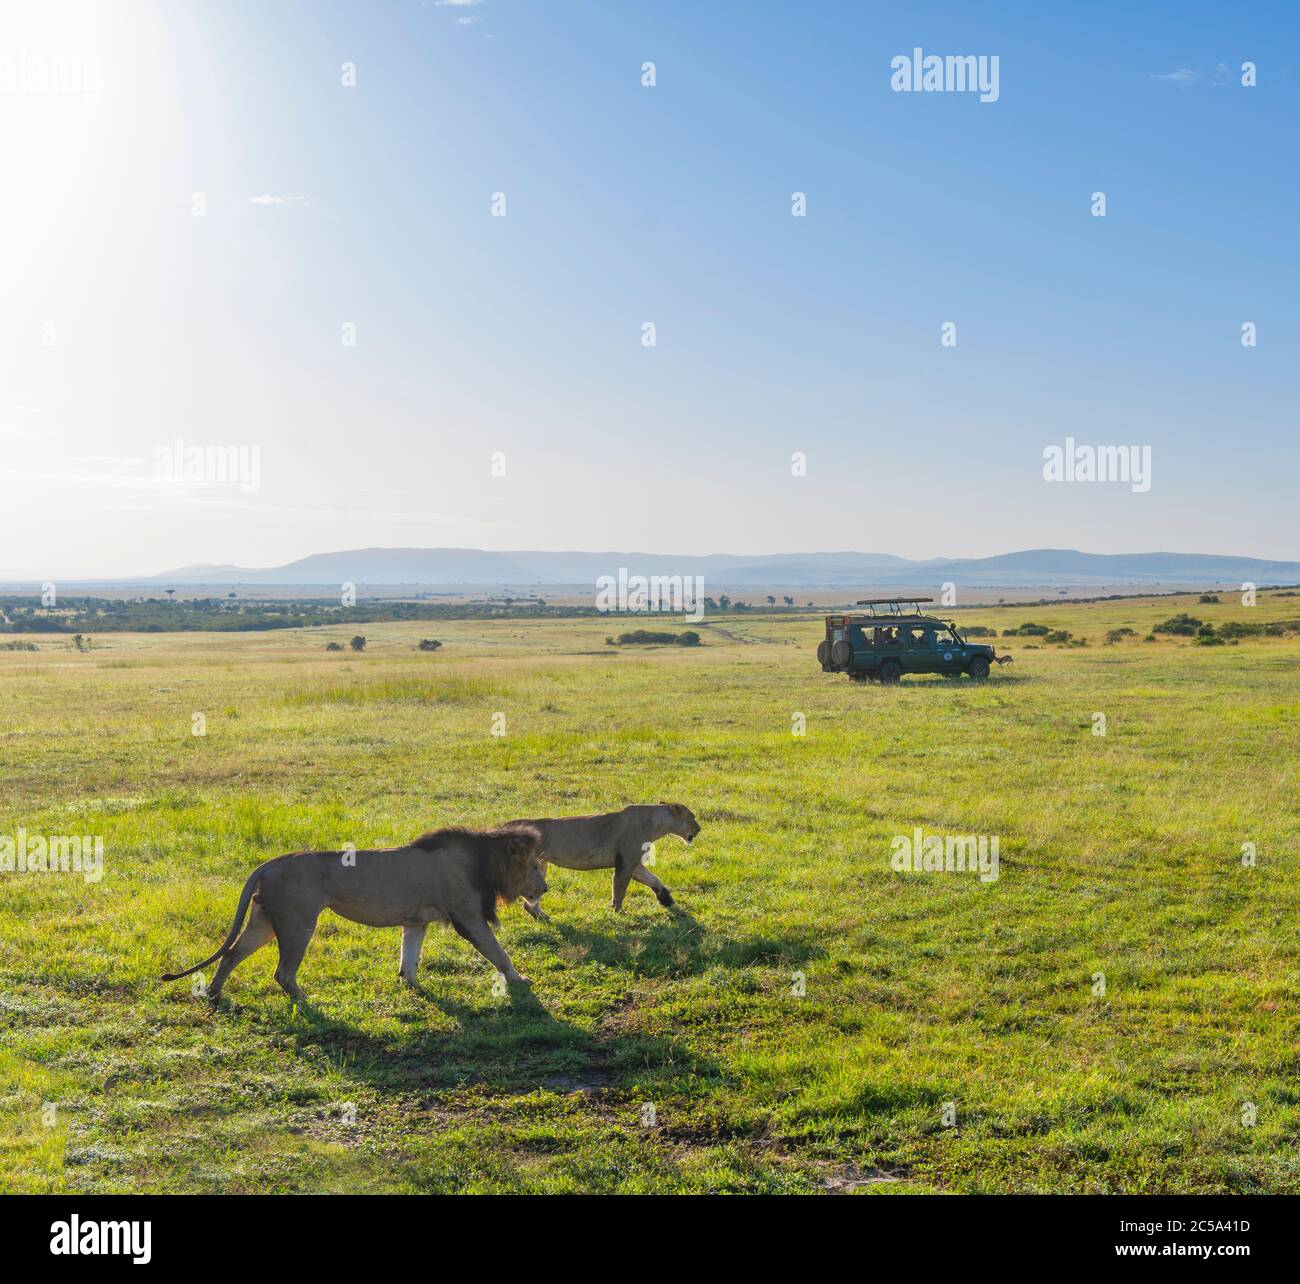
(1120, 855)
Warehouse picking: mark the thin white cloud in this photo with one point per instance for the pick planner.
(467, 22)
(458, 4)
(267, 199)
(1182, 76)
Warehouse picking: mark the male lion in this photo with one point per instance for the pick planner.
(617, 840)
(454, 876)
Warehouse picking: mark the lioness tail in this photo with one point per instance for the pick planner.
(240, 910)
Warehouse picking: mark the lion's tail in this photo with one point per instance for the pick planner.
(250, 887)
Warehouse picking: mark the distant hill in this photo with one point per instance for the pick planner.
(474, 567)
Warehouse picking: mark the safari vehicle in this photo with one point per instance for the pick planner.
(889, 640)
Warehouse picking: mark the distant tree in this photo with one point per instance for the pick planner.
(724, 602)
(171, 595)
(358, 643)
(789, 601)
(771, 601)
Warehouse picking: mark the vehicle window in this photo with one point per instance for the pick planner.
(918, 637)
(945, 637)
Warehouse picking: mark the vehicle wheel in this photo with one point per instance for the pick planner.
(891, 671)
(823, 652)
(979, 668)
(841, 653)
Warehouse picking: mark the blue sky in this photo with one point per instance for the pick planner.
(326, 204)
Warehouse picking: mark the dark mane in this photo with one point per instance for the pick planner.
(436, 838)
(494, 873)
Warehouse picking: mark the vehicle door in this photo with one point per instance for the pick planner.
(949, 654)
(864, 645)
(921, 655)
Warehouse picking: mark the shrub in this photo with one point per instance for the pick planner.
(333, 646)
(1059, 637)
(429, 644)
(1208, 597)
(1034, 630)
(358, 643)
(1238, 629)
(648, 637)
(1180, 625)
(1116, 635)
(978, 631)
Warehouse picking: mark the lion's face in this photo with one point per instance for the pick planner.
(684, 824)
(523, 849)
(534, 883)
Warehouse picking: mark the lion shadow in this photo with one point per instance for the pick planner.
(675, 944)
(512, 1047)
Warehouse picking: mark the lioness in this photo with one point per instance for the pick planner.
(454, 876)
(617, 840)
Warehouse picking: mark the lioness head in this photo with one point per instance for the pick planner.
(683, 822)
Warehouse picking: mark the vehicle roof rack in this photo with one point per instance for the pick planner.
(895, 604)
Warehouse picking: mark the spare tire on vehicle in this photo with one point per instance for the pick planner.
(841, 653)
(823, 652)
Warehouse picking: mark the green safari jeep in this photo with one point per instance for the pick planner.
(882, 646)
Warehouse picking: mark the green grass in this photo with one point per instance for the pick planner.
(1119, 855)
